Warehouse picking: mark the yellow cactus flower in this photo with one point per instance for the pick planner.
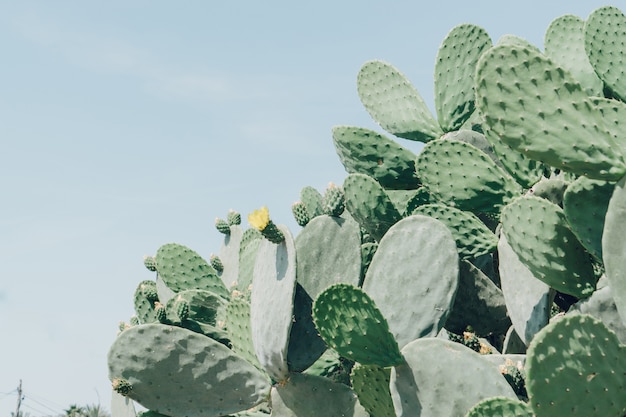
(259, 219)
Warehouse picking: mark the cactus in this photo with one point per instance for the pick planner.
(504, 233)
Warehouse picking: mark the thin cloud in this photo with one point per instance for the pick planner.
(108, 54)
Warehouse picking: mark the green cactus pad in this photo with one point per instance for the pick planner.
(144, 299)
(539, 234)
(479, 303)
(576, 366)
(613, 113)
(538, 108)
(208, 379)
(455, 67)
(443, 378)
(300, 214)
(181, 268)
(564, 42)
(420, 197)
(312, 200)
(459, 174)
(585, 204)
(350, 323)
(229, 255)
(239, 332)
(313, 396)
(329, 252)
(524, 170)
(248, 248)
(394, 103)
(614, 246)
(371, 384)
(500, 407)
(367, 152)
(271, 303)
(413, 277)
(527, 299)
(472, 237)
(369, 204)
(605, 35)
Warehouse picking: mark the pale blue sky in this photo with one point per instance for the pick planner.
(125, 125)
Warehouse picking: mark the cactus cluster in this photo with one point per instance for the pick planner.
(513, 210)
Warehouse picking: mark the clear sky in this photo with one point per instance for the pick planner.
(125, 125)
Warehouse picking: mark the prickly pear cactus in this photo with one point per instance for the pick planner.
(505, 233)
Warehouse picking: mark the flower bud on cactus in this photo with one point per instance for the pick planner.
(134, 321)
(222, 226)
(300, 213)
(334, 201)
(234, 218)
(122, 386)
(150, 263)
(123, 326)
(260, 220)
(216, 263)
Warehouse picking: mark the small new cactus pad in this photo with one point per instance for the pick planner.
(461, 175)
(369, 204)
(539, 234)
(413, 277)
(150, 263)
(614, 246)
(208, 379)
(472, 237)
(310, 395)
(300, 213)
(349, 322)
(455, 67)
(367, 152)
(334, 201)
(585, 204)
(234, 218)
(528, 102)
(371, 384)
(564, 42)
(312, 200)
(527, 298)
(394, 103)
(271, 303)
(222, 226)
(501, 407)
(328, 252)
(181, 268)
(605, 35)
(461, 377)
(576, 366)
